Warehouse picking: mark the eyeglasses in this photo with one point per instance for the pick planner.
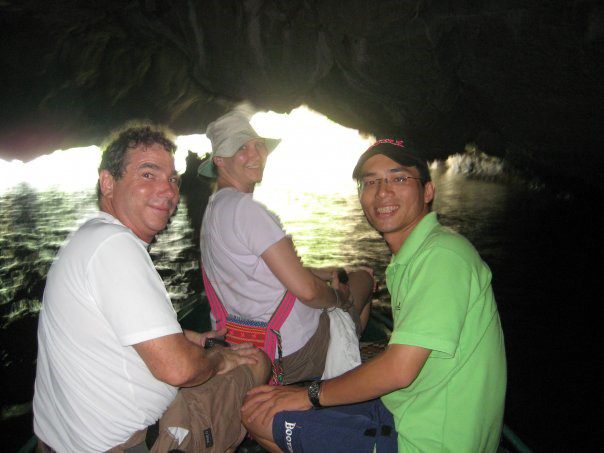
(365, 184)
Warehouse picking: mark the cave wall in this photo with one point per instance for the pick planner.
(522, 79)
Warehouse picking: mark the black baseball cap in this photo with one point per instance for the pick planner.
(396, 150)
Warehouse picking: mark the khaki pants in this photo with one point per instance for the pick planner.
(210, 414)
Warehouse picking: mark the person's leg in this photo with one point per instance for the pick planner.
(309, 361)
(208, 417)
(261, 372)
(261, 433)
(355, 428)
(361, 290)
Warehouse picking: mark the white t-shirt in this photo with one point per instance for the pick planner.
(236, 230)
(102, 295)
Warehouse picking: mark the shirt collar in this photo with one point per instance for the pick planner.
(110, 219)
(415, 239)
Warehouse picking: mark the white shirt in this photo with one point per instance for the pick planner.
(102, 295)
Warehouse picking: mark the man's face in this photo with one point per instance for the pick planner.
(147, 194)
(393, 207)
(245, 169)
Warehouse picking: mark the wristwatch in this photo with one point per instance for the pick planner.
(314, 389)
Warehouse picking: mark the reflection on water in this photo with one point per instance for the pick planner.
(328, 230)
(520, 234)
(32, 227)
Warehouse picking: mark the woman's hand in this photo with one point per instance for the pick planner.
(342, 291)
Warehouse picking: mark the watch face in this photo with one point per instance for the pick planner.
(313, 393)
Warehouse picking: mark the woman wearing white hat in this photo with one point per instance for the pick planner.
(257, 286)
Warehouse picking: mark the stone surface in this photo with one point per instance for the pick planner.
(522, 79)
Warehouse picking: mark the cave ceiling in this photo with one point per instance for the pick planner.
(521, 79)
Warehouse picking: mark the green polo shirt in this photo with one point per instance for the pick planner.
(442, 300)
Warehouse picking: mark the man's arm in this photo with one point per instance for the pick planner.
(395, 368)
(284, 263)
(176, 360)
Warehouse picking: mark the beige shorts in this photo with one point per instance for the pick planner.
(308, 362)
(207, 415)
(210, 412)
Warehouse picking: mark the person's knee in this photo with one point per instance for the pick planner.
(261, 371)
(361, 288)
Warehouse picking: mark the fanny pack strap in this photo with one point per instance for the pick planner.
(218, 310)
(272, 341)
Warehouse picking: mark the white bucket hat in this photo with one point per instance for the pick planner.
(227, 134)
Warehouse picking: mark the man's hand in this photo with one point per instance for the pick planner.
(230, 358)
(265, 401)
(226, 359)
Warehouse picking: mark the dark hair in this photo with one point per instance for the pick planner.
(131, 136)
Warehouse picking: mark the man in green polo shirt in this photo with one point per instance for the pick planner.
(443, 375)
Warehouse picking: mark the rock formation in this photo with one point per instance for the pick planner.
(522, 79)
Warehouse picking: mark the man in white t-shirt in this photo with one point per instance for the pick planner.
(112, 354)
(250, 261)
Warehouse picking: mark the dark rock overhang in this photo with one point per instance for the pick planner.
(521, 79)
